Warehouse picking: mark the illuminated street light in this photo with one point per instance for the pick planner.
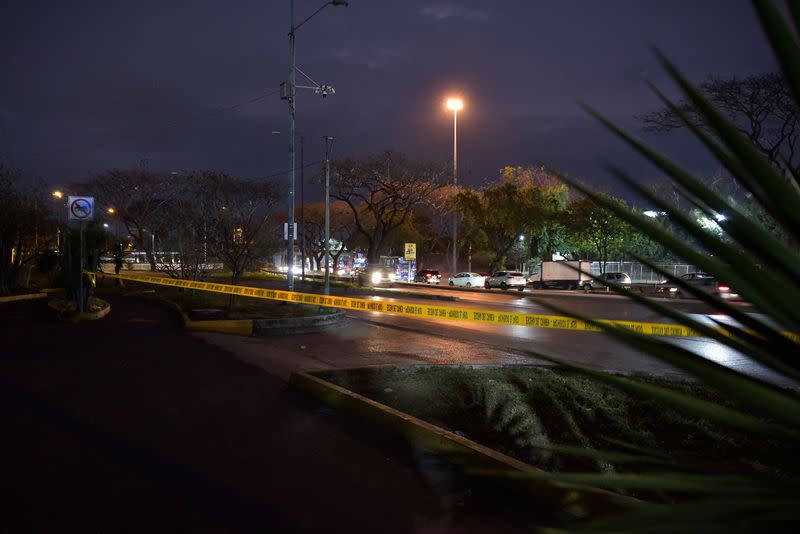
(455, 104)
(111, 211)
(58, 194)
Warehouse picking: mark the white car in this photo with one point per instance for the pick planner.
(468, 280)
(505, 280)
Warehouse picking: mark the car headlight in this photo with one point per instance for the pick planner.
(376, 277)
(391, 277)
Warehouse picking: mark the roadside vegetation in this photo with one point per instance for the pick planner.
(203, 305)
(542, 415)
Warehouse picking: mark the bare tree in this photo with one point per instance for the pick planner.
(21, 231)
(342, 227)
(760, 106)
(382, 192)
(138, 198)
(236, 220)
(187, 212)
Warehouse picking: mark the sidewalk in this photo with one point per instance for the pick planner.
(131, 424)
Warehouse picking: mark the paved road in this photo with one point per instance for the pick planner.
(471, 343)
(129, 423)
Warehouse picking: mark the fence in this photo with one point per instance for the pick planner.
(641, 273)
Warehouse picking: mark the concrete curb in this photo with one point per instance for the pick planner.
(579, 501)
(297, 325)
(259, 327)
(239, 327)
(26, 296)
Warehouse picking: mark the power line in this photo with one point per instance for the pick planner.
(281, 173)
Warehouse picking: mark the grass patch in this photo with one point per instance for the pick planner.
(225, 277)
(531, 413)
(227, 306)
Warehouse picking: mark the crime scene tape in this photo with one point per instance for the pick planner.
(420, 311)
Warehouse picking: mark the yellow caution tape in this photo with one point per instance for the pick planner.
(420, 311)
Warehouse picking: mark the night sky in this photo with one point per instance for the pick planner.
(175, 85)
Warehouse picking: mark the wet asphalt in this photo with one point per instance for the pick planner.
(131, 424)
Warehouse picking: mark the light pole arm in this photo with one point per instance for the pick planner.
(294, 29)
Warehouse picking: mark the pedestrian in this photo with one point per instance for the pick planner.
(118, 261)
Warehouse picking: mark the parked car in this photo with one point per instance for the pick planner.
(506, 279)
(622, 279)
(704, 281)
(376, 276)
(428, 276)
(468, 280)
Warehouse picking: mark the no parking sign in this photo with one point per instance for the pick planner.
(80, 208)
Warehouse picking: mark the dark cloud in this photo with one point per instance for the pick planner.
(89, 84)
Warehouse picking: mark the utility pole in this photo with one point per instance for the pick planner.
(302, 213)
(290, 199)
(328, 145)
(290, 95)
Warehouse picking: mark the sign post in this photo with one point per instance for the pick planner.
(410, 253)
(80, 209)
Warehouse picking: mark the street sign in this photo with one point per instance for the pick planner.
(286, 231)
(411, 251)
(80, 208)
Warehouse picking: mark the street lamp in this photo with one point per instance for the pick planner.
(57, 194)
(325, 90)
(455, 104)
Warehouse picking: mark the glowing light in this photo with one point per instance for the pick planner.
(376, 277)
(58, 194)
(111, 211)
(455, 104)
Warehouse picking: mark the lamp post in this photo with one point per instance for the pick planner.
(290, 96)
(455, 104)
(328, 145)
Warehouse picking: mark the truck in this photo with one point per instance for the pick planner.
(564, 274)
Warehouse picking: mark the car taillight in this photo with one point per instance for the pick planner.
(428, 275)
(724, 289)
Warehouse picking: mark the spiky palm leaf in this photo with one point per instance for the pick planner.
(764, 270)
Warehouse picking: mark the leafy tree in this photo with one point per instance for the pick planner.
(382, 192)
(524, 202)
(596, 229)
